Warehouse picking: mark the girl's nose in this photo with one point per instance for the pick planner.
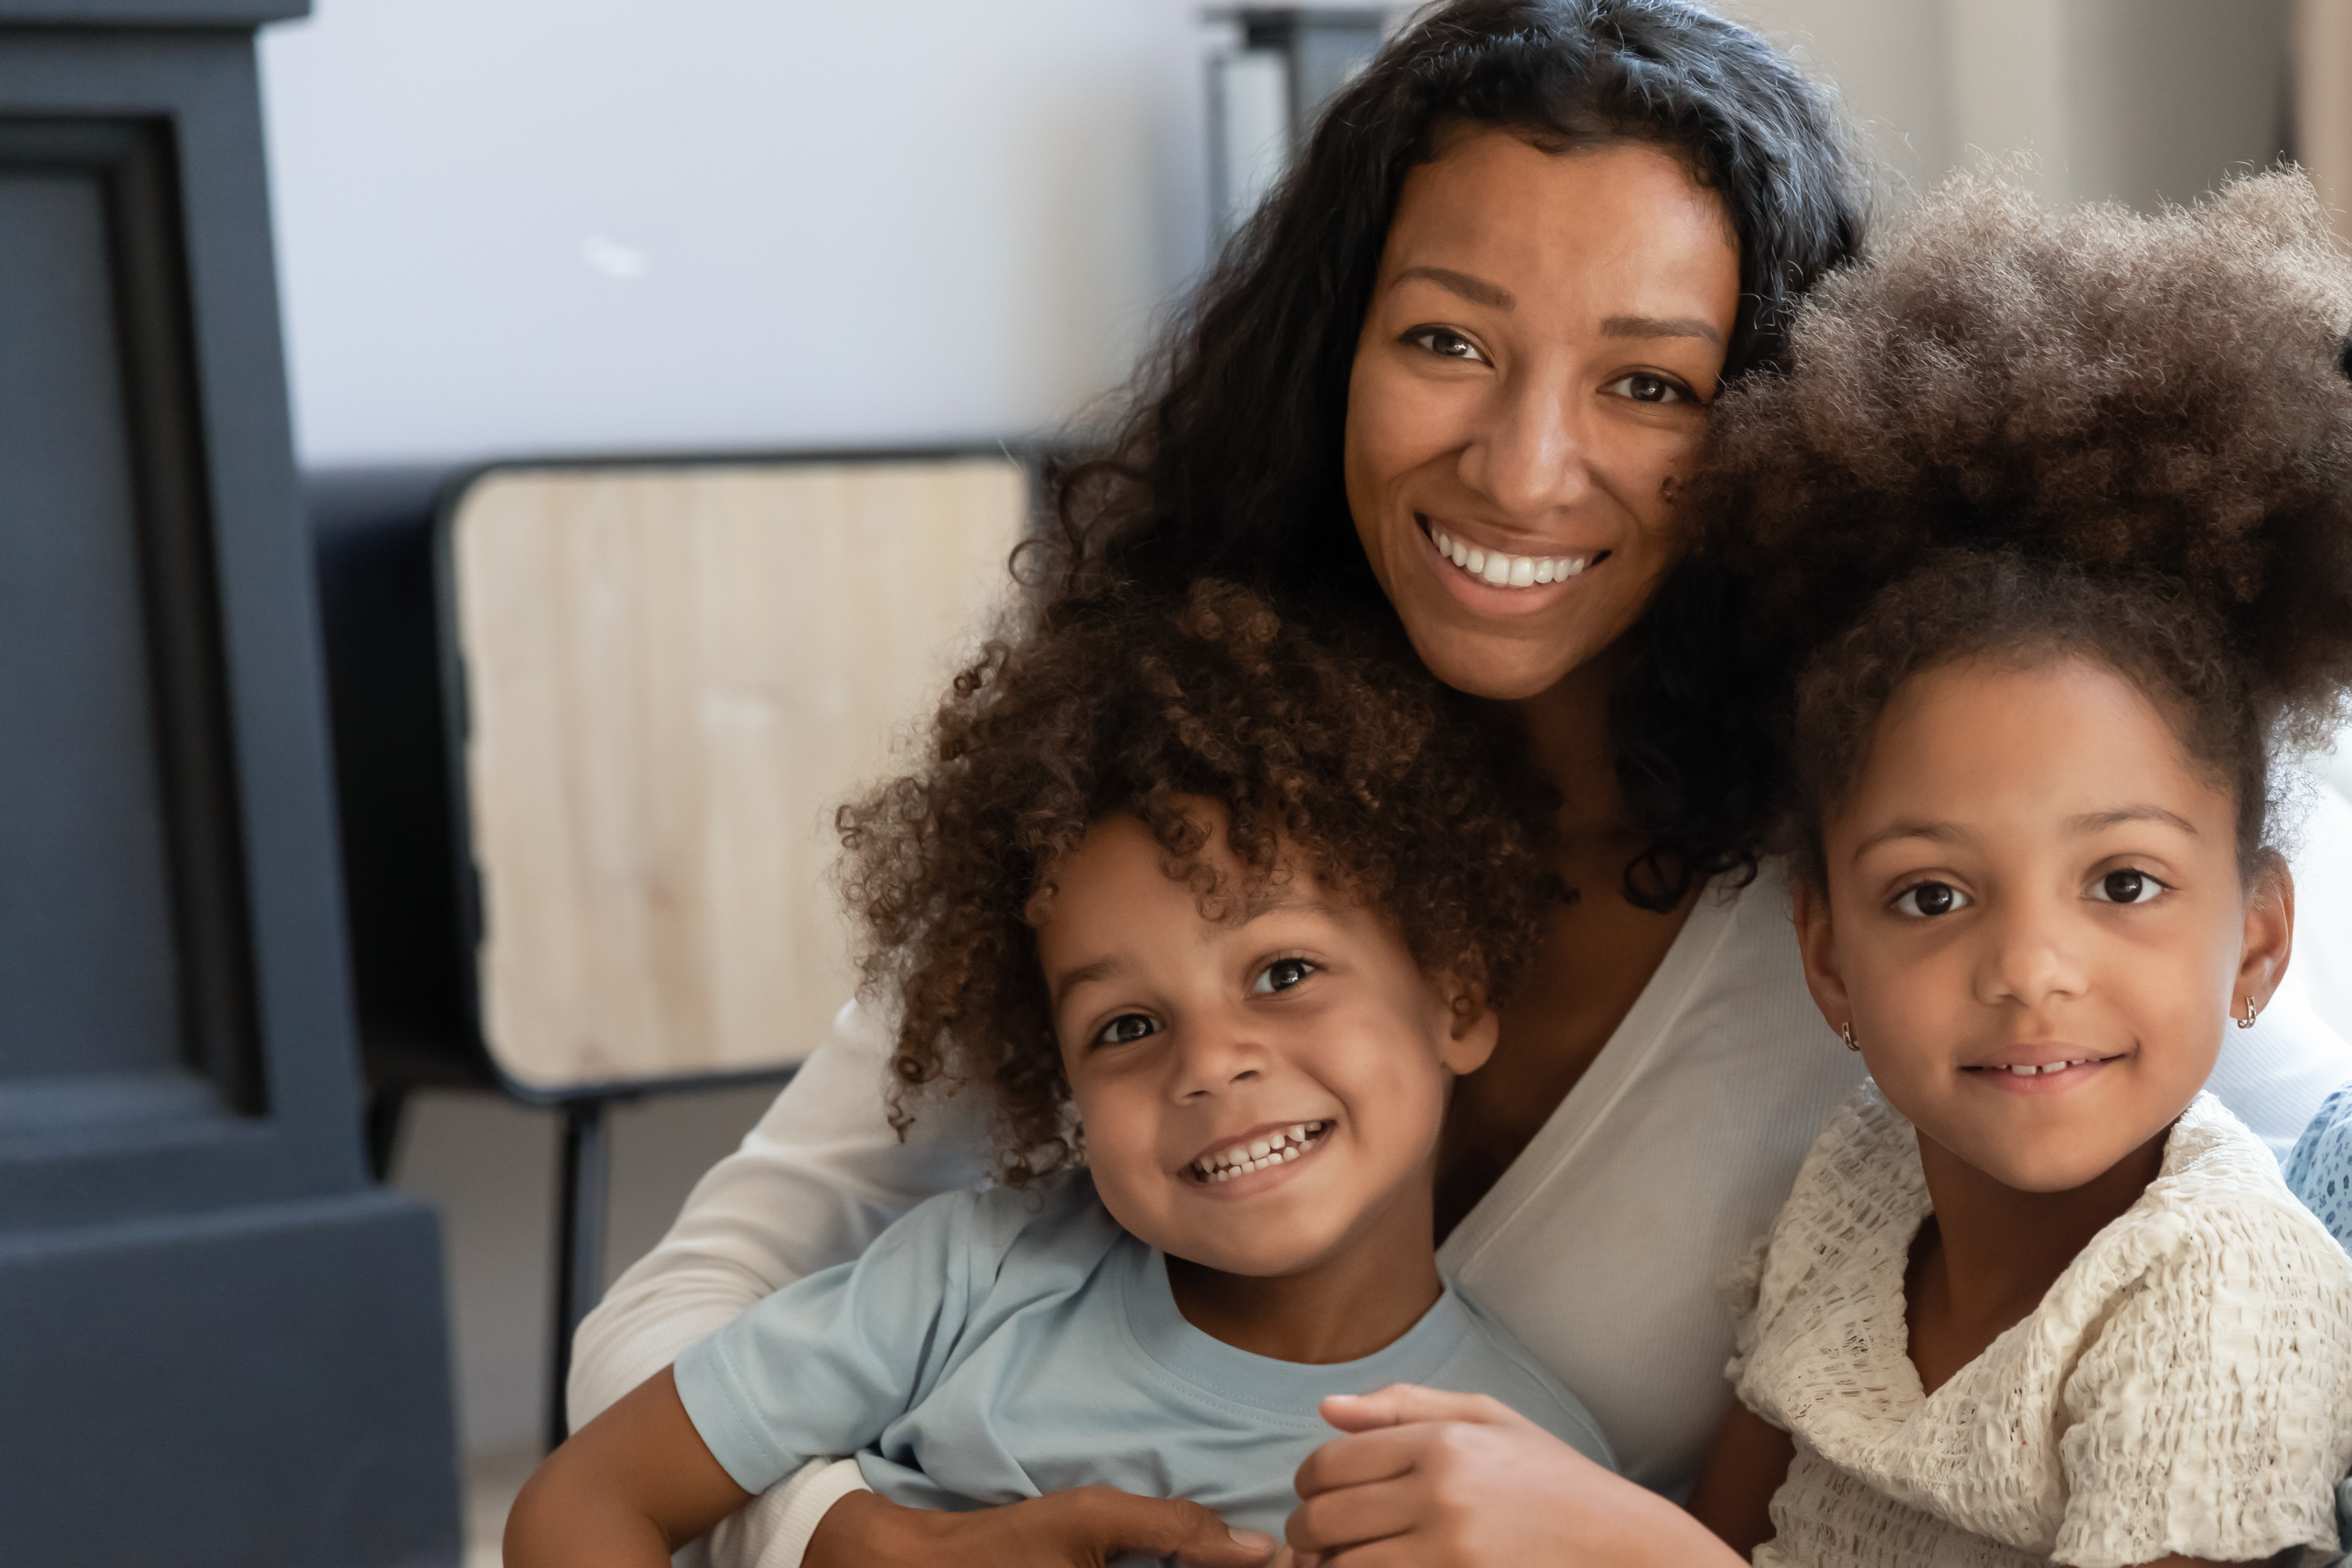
(1529, 455)
(2029, 959)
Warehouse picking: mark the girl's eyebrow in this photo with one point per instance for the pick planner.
(1934, 831)
(2100, 821)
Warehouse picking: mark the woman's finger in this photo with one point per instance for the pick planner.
(1400, 1403)
(1108, 1523)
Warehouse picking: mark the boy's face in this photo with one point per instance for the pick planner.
(2029, 874)
(1299, 1029)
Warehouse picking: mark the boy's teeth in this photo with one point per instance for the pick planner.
(1261, 1152)
(2026, 1070)
(1502, 570)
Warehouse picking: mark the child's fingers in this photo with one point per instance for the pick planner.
(1402, 1404)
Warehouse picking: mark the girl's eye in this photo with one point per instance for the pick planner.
(1644, 387)
(1126, 1028)
(1931, 898)
(1446, 343)
(1281, 975)
(2125, 888)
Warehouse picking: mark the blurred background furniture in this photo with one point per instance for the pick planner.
(222, 1345)
(591, 722)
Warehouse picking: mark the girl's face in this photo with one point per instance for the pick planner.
(2034, 921)
(1543, 338)
(1258, 1092)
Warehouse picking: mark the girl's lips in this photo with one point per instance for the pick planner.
(2055, 1076)
(1500, 581)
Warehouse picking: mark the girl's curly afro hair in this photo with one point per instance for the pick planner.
(1398, 793)
(2094, 400)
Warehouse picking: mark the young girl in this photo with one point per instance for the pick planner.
(1216, 915)
(2036, 1296)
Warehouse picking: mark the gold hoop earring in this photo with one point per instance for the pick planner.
(1845, 1033)
(2248, 1021)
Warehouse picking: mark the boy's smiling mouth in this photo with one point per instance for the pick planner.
(1260, 1149)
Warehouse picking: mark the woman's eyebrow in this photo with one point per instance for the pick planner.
(1477, 290)
(1660, 327)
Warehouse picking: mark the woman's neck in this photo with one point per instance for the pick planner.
(1568, 735)
(1361, 1298)
(1989, 1253)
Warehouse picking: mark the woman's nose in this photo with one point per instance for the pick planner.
(1530, 454)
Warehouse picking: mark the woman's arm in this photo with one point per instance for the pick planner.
(817, 1180)
(627, 1490)
(1452, 1480)
(1747, 1463)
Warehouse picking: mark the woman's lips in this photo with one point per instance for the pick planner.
(1498, 577)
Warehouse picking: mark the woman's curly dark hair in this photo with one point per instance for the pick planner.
(1228, 463)
(1392, 789)
(2136, 431)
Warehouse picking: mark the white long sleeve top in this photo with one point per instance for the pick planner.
(1599, 1247)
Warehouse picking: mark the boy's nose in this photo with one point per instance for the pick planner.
(1211, 1058)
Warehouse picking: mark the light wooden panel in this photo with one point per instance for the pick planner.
(673, 675)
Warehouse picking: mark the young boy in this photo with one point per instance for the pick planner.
(1222, 913)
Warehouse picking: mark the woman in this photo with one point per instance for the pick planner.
(1444, 387)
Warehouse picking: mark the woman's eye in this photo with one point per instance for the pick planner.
(1126, 1028)
(1281, 975)
(1644, 387)
(2125, 888)
(1446, 343)
(1931, 898)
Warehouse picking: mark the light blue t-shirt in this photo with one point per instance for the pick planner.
(998, 1345)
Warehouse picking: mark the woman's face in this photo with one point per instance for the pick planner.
(1543, 339)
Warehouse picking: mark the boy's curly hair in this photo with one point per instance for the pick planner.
(1400, 795)
(2135, 430)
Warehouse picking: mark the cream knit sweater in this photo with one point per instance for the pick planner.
(2186, 1386)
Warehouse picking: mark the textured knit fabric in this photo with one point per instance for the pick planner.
(2186, 1386)
(993, 1346)
(2319, 1168)
(1598, 1249)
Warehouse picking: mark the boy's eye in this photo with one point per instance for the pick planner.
(2125, 888)
(1931, 898)
(1281, 975)
(1128, 1028)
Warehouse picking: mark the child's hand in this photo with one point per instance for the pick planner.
(1082, 1528)
(1448, 1480)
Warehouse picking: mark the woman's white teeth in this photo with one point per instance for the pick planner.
(1260, 1153)
(1508, 570)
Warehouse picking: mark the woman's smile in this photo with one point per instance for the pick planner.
(1496, 580)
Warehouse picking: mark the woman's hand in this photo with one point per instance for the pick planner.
(1083, 1528)
(1447, 1480)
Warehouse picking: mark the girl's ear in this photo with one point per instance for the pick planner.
(2270, 935)
(1817, 943)
(1470, 1037)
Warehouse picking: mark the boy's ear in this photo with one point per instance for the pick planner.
(1817, 944)
(2270, 935)
(1470, 1038)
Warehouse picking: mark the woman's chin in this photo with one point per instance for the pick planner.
(1502, 668)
